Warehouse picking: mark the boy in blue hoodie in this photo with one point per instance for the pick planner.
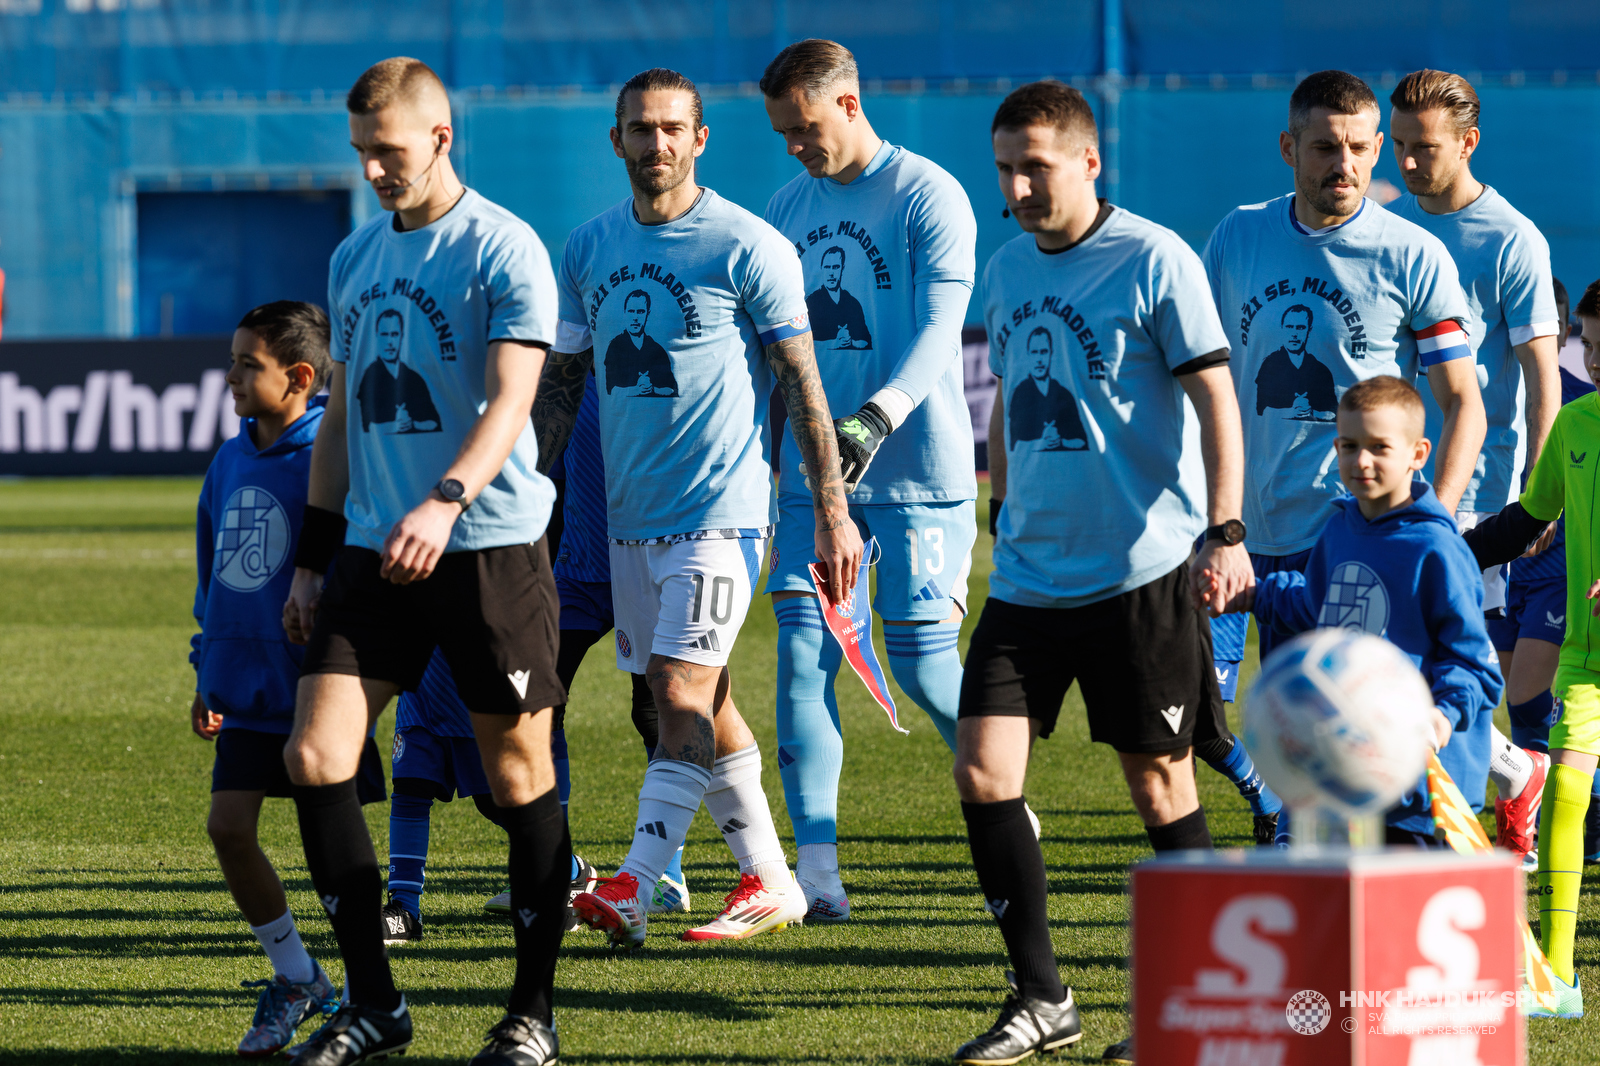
(1390, 562)
(249, 520)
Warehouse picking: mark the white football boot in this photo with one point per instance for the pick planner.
(753, 909)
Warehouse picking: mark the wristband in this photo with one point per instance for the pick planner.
(321, 537)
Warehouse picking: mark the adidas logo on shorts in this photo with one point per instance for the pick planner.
(930, 591)
(709, 642)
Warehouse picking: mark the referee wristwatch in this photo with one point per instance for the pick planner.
(1230, 532)
(455, 492)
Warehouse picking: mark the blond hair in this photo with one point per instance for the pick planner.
(392, 81)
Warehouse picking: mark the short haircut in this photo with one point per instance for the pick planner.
(391, 81)
(1589, 302)
(1287, 311)
(1051, 341)
(1384, 391)
(1437, 90)
(1563, 301)
(1341, 93)
(390, 312)
(813, 66)
(294, 332)
(830, 251)
(659, 79)
(1047, 103)
(637, 292)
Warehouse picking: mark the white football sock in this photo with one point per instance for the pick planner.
(667, 804)
(1509, 766)
(818, 862)
(281, 941)
(737, 802)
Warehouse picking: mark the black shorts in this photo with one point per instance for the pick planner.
(1141, 659)
(493, 613)
(251, 761)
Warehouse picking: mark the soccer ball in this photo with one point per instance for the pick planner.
(1340, 719)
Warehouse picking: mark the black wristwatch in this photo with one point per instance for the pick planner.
(1230, 532)
(454, 491)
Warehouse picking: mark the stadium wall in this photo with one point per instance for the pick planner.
(72, 171)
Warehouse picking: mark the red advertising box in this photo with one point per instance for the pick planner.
(1268, 958)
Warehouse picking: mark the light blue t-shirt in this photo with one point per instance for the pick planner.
(865, 247)
(413, 316)
(1307, 316)
(679, 316)
(1105, 483)
(1504, 265)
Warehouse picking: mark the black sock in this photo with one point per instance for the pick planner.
(541, 875)
(1186, 833)
(344, 871)
(1215, 750)
(1010, 869)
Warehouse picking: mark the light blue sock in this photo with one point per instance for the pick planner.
(810, 744)
(927, 665)
(1239, 768)
(675, 867)
(408, 850)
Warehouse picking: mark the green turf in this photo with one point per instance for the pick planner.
(118, 942)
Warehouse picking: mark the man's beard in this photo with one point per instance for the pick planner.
(1323, 199)
(656, 183)
(1435, 185)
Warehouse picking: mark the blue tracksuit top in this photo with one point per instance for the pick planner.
(250, 510)
(1406, 576)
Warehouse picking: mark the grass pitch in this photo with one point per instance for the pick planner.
(119, 942)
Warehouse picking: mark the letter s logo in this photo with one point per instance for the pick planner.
(1443, 942)
(1235, 939)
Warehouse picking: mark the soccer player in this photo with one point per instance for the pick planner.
(885, 239)
(1563, 482)
(1390, 562)
(583, 580)
(689, 502)
(443, 550)
(250, 512)
(1092, 578)
(1504, 266)
(1325, 276)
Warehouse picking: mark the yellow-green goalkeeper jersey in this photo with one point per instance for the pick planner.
(1567, 478)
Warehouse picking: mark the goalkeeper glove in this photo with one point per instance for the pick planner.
(859, 437)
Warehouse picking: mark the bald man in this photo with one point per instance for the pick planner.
(429, 540)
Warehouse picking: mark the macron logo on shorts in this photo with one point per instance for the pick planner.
(1174, 716)
(519, 681)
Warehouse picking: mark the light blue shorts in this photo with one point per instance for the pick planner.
(925, 554)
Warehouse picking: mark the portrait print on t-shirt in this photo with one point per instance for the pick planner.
(1042, 413)
(1292, 380)
(393, 396)
(837, 319)
(635, 362)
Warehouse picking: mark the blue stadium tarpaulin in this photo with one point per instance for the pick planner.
(262, 46)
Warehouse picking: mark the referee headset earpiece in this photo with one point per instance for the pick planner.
(1005, 212)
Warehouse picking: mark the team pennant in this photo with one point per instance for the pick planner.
(1454, 821)
(850, 622)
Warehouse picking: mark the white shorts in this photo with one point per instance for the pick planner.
(1494, 578)
(684, 601)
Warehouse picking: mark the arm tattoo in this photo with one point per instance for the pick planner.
(795, 365)
(555, 405)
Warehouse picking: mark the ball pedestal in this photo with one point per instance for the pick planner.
(1326, 955)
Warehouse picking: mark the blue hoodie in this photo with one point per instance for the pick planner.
(249, 522)
(1406, 576)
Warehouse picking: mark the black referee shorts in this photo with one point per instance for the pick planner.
(493, 613)
(1142, 660)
